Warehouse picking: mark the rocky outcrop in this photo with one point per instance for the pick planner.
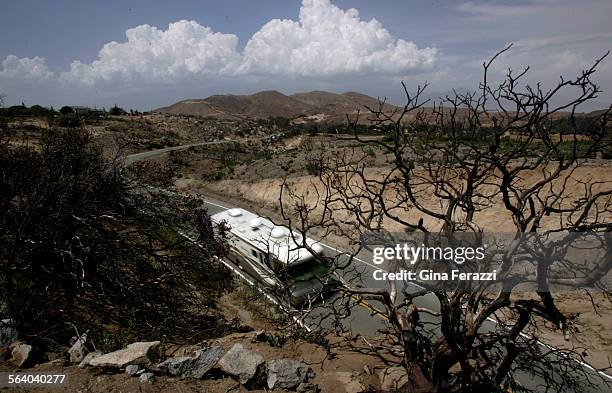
(141, 359)
(287, 373)
(89, 357)
(22, 355)
(241, 363)
(192, 366)
(140, 353)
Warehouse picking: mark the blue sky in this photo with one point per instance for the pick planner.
(62, 52)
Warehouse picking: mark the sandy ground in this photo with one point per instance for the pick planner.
(592, 335)
(494, 218)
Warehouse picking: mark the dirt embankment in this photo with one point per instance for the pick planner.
(494, 218)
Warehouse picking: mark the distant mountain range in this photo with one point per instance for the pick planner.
(316, 106)
(312, 106)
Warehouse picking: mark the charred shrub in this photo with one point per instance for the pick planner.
(153, 173)
(81, 245)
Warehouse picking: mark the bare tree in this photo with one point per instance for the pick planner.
(500, 147)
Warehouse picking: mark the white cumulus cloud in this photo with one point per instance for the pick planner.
(25, 68)
(185, 49)
(325, 41)
(328, 40)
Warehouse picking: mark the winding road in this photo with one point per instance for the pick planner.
(130, 159)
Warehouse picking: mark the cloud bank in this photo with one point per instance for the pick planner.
(27, 69)
(328, 41)
(149, 54)
(325, 41)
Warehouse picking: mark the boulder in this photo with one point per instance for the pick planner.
(22, 355)
(287, 373)
(8, 334)
(192, 366)
(140, 353)
(241, 362)
(89, 357)
(147, 378)
(78, 351)
(132, 369)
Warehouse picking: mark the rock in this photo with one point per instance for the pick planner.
(287, 373)
(89, 357)
(241, 363)
(8, 334)
(132, 369)
(141, 353)
(78, 351)
(22, 355)
(307, 387)
(367, 370)
(393, 378)
(192, 366)
(186, 350)
(147, 378)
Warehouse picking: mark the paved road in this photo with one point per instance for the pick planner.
(153, 153)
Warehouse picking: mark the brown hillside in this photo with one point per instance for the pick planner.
(314, 106)
(261, 105)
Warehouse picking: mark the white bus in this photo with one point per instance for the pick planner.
(275, 256)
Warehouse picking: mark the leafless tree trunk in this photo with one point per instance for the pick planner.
(500, 147)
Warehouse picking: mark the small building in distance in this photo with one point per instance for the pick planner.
(84, 110)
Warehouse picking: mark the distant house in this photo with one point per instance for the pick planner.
(84, 110)
(81, 110)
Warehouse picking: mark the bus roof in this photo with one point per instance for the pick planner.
(262, 234)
